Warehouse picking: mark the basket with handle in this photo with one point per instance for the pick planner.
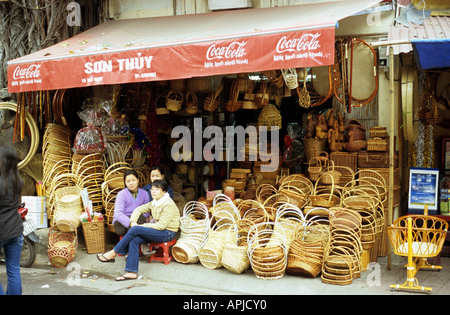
(194, 226)
(94, 236)
(330, 175)
(191, 103)
(315, 168)
(325, 196)
(174, 100)
(233, 104)
(210, 255)
(211, 103)
(234, 255)
(268, 260)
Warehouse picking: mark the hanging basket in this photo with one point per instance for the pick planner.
(270, 117)
(211, 103)
(174, 100)
(304, 99)
(290, 78)
(233, 104)
(191, 103)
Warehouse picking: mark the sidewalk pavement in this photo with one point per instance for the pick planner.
(374, 281)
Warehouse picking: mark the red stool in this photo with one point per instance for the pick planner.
(166, 254)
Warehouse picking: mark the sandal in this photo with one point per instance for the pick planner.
(123, 278)
(103, 259)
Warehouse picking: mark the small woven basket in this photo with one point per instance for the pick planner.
(191, 103)
(174, 100)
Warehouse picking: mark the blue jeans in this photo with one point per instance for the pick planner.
(12, 249)
(132, 241)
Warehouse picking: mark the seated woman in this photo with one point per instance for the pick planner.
(157, 173)
(127, 200)
(166, 217)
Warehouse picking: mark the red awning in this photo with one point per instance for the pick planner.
(183, 46)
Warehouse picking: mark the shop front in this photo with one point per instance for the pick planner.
(240, 108)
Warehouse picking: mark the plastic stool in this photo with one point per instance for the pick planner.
(166, 253)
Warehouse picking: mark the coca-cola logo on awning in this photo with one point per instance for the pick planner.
(306, 42)
(31, 72)
(233, 50)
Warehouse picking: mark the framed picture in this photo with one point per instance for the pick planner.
(423, 189)
(445, 165)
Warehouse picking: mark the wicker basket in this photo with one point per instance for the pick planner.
(315, 169)
(191, 103)
(62, 243)
(174, 100)
(377, 144)
(233, 104)
(68, 206)
(376, 159)
(234, 255)
(199, 84)
(326, 197)
(270, 117)
(378, 132)
(194, 226)
(330, 176)
(211, 103)
(94, 236)
(304, 99)
(313, 146)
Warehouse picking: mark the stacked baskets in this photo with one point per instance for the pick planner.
(89, 170)
(342, 258)
(305, 256)
(194, 227)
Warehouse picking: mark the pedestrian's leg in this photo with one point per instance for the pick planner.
(13, 251)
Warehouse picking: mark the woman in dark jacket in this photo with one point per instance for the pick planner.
(11, 228)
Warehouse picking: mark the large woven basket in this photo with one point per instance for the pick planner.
(62, 243)
(94, 236)
(234, 255)
(68, 205)
(270, 117)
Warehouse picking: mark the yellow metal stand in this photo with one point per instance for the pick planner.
(429, 241)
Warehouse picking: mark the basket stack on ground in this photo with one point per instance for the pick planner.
(341, 262)
(57, 160)
(90, 169)
(194, 226)
(224, 215)
(306, 251)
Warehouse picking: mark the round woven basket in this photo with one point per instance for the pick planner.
(62, 243)
(68, 206)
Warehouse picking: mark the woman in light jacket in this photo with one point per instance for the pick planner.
(164, 223)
